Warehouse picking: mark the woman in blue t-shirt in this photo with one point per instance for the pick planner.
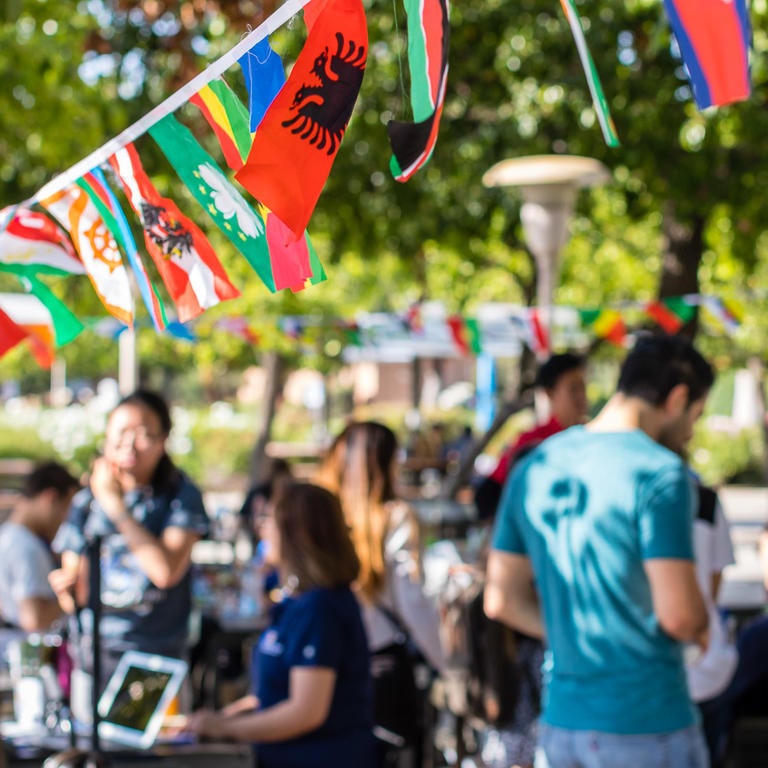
(313, 702)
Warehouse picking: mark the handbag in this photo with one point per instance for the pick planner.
(396, 697)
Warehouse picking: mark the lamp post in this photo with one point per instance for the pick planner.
(548, 186)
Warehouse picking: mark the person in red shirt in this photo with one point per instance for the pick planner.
(563, 379)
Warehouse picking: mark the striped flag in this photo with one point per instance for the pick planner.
(538, 336)
(228, 117)
(97, 249)
(606, 324)
(726, 314)
(664, 317)
(10, 333)
(714, 39)
(185, 259)
(264, 77)
(593, 79)
(95, 184)
(465, 334)
(65, 324)
(32, 243)
(428, 34)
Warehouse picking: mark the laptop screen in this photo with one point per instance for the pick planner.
(137, 697)
(134, 703)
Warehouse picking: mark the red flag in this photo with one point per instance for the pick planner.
(539, 338)
(184, 258)
(295, 146)
(664, 316)
(10, 333)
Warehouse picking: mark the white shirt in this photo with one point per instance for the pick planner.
(709, 673)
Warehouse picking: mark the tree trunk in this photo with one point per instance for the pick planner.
(273, 367)
(683, 251)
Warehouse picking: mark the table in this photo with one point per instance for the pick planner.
(203, 755)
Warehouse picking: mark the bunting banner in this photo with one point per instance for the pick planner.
(297, 141)
(664, 316)
(714, 40)
(185, 259)
(290, 260)
(607, 324)
(264, 77)
(428, 35)
(97, 249)
(32, 243)
(228, 118)
(102, 196)
(466, 334)
(11, 333)
(599, 101)
(228, 209)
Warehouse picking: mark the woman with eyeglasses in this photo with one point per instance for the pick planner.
(149, 515)
(312, 704)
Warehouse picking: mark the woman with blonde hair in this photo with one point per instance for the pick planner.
(360, 467)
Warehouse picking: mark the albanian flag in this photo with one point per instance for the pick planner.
(182, 254)
(297, 141)
(428, 33)
(714, 38)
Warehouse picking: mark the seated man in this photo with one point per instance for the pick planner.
(27, 601)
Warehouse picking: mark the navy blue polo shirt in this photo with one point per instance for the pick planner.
(319, 628)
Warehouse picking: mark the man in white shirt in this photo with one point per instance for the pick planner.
(27, 601)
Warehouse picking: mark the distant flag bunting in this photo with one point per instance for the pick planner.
(32, 243)
(185, 259)
(428, 34)
(97, 249)
(538, 335)
(297, 141)
(666, 319)
(599, 101)
(228, 117)
(606, 324)
(11, 333)
(725, 313)
(466, 334)
(102, 196)
(264, 76)
(714, 39)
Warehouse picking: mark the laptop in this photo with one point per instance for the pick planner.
(137, 697)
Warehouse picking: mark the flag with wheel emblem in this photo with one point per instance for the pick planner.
(97, 249)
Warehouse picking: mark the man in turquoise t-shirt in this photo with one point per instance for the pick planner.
(593, 549)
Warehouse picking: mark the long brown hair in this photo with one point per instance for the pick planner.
(315, 545)
(360, 468)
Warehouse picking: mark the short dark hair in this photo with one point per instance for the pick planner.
(556, 366)
(49, 475)
(315, 544)
(658, 363)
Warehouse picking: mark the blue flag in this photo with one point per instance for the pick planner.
(264, 77)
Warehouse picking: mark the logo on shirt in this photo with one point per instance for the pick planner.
(309, 652)
(270, 644)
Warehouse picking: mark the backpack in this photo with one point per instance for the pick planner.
(397, 700)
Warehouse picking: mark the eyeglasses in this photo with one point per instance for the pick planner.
(138, 438)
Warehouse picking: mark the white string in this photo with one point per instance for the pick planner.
(171, 104)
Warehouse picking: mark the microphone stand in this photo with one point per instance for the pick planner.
(95, 756)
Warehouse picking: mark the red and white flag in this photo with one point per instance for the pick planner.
(33, 243)
(186, 261)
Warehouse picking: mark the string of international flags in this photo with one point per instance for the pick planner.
(280, 147)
